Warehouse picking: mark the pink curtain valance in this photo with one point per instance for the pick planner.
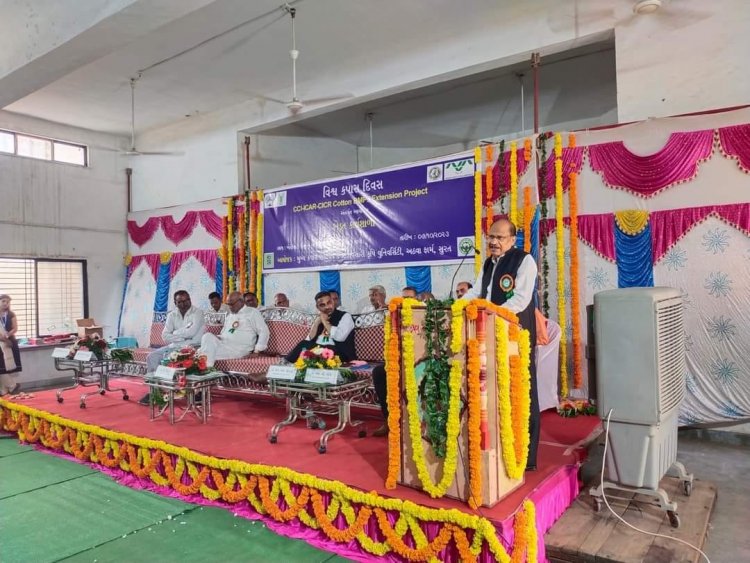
(207, 258)
(734, 142)
(668, 227)
(572, 158)
(140, 235)
(152, 260)
(596, 231)
(501, 173)
(645, 176)
(176, 231)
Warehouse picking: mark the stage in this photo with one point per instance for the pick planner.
(336, 501)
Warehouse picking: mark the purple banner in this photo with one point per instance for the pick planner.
(420, 214)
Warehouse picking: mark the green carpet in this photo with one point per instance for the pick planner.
(52, 509)
(9, 445)
(205, 534)
(31, 470)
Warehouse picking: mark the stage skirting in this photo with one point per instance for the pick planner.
(329, 514)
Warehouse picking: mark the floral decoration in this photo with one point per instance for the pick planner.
(477, 207)
(570, 408)
(528, 213)
(189, 359)
(575, 305)
(489, 188)
(513, 183)
(561, 303)
(321, 358)
(93, 343)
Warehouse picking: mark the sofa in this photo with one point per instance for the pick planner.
(287, 327)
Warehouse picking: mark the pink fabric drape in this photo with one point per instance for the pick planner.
(177, 232)
(668, 227)
(152, 260)
(501, 185)
(596, 231)
(140, 235)
(734, 142)
(645, 176)
(206, 257)
(572, 158)
(212, 223)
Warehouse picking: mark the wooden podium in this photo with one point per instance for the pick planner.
(496, 483)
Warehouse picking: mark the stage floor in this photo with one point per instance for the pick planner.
(240, 426)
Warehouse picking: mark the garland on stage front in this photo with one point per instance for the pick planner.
(280, 493)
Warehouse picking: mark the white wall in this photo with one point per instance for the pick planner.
(64, 211)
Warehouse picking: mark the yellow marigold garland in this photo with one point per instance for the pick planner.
(514, 406)
(575, 313)
(259, 259)
(230, 242)
(513, 183)
(242, 276)
(561, 266)
(393, 382)
(477, 207)
(134, 454)
(252, 236)
(457, 324)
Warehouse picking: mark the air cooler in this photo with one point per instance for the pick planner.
(640, 366)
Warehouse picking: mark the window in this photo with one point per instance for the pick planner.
(47, 295)
(43, 148)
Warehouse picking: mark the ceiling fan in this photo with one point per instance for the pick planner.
(296, 105)
(132, 150)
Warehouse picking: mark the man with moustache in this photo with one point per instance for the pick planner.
(507, 279)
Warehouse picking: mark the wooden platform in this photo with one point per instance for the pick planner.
(585, 535)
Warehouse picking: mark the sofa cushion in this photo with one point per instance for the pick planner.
(214, 329)
(255, 365)
(285, 335)
(140, 354)
(156, 338)
(368, 343)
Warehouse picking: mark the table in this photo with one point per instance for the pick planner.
(88, 374)
(306, 399)
(169, 388)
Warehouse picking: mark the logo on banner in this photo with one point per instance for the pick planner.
(465, 246)
(274, 199)
(435, 173)
(458, 168)
(268, 259)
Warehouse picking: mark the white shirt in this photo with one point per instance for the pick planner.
(186, 329)
(246, 328)
(523, 291)
(340, 332)
(223, 308)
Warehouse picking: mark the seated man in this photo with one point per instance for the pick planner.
(332, 329)
(377, 299)
(281, 300)
(184, 327)
(461, 288)
(216, 305)
(336, 299)
(244, 331)
(251, 300)
(409, 291)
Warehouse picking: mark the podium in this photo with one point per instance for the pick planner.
(495, 480)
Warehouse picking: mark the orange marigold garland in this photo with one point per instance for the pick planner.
(527, 216)
(242, 277)
(513, 183)
(575, 313)
(477, 207)
(393, 380)
(474, 431)
(561, 305)
(252, 210)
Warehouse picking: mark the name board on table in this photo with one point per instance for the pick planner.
(83, 355)
(60, 353)
(166, 373)
(316, 375)
(283, 373)
(419, 213)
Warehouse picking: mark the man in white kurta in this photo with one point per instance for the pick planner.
(244, 332)
(184, 327)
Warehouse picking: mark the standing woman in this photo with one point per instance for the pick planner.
(10, 355)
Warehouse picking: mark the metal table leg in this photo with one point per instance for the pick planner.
(292, 408)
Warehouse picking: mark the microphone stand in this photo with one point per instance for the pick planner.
(461, 263)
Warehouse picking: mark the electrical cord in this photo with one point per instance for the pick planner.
(604, 497)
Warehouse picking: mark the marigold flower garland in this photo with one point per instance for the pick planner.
(259, 251)
(242, 277)
(575, 313)
(514, 404)
(393, 380)
(230, 243)
(477, 207)
(561, 266)
(527, 216)
(513, 183)
(251, 199)
(473, 425)
(489, 189)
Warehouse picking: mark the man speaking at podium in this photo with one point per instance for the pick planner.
(507, 279)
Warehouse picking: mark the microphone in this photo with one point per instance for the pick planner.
(477, 252)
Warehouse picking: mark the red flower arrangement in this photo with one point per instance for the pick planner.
(93, 343)
(187, 358)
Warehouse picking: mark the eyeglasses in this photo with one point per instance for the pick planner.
(499, 237)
